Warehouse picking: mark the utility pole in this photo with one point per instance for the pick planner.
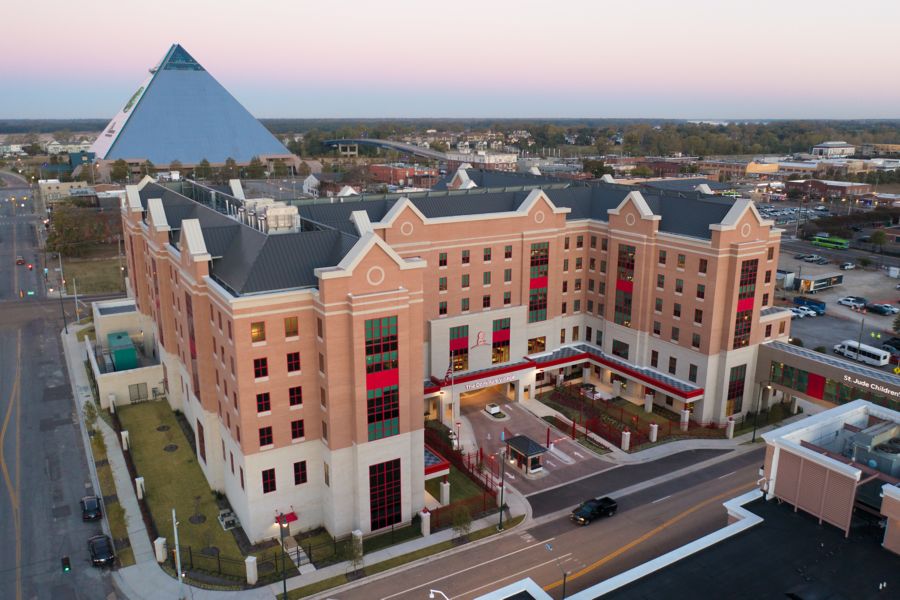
(502, 486)
(178, 557)
(75, 291)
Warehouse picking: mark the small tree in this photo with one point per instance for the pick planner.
(279, 169)
(175, 165)
(879, 239)
(255, 169)
(462, 521)
(356, 556)
(147, 168)
(203, 170)
(303, 170)
(119, 171)
(896, 326)
(796, 341)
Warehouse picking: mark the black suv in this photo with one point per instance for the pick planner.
(594, 508)
(90, 508)
(101, 551)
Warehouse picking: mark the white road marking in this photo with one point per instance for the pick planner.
(726, 475)
(426, 584)
(661, 499)
(511, 476)
(578, 454)
(543, 564)
(549, 463)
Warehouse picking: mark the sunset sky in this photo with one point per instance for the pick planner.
(489, 58)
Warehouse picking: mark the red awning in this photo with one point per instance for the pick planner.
(288, 518)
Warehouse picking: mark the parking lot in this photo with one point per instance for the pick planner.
(841, 322)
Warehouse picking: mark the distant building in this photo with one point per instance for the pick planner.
(182, 113)
(403, 174)
(822, 188)
(723, 169)
(873, 150)
(54, 147)
(53, 190)
(833, 149)
(483, 160)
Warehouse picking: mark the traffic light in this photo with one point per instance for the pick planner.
(66, 564)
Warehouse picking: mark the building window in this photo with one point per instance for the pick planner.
(603, 266)
(624, 284)
(201, 442)
(660, 282)
(673, 364)
(381, 344)
(768, 276)
(620, 349)
(565, 308)
(601, 288)
(241, 469)
(297, 429)
(465, 257)
(507, 252)
(604, 244)
(579, 241)
(781, 328)
(578, 285)
(703, 265)
(562, 336)
(579, 263)
(293, 362)
(577, 306)
(679, 286)
(384, 494)
(442, 308)
(464, 305)
(692, 373)
(657, 328)
(295, 396)
(590, 306)
(260, 367)
(566, 265)
(258, 331)
(588, 333)
(268, 480)
(698, 315)
(459, 347)
(507, 275)
(599, 340)
(263, 402)
(486, 301)
(575, 334)
(500, 341)
(566, 243)
(771, 253)
(658, 305)
(442, 284)
(538, 344)
(324, 431)
(681, 260)
(465, 281)
(487, 255)
(765, 299)
(676, 310)
(300, 472)
(537, 294)
(486, 278)
(320, 328)
(442, 259)
(654, 358)
(291, 327)
(735, 399)
(229, 329)
(769, 330)
(507, 298)
(265, 436)
(323, 397)
(326, 474)
(592, 263)
(662, 257)
(695, 340)
(701, 291)
(565, 286)
(675, 334)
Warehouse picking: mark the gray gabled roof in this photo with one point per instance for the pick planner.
(248, 261)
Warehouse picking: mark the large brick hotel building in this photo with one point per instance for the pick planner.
(305, 358)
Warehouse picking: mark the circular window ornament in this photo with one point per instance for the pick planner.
(539, 216)
(629, 220)
(746, 229)
(375, 275)
(406, 228)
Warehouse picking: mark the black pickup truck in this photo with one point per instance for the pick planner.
(594, 508)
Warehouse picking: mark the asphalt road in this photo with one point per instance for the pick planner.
(793, 246)
(648, 524)
(44, 469)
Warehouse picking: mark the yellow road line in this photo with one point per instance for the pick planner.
(13, 491)
(648, 535)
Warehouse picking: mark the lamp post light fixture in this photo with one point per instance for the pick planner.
(282, 525)
(431, 594)
(502, 486)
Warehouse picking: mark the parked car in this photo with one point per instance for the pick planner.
(847, 266)
(812, 258)
(807, 312)
(90, 508)
(101, 551)
(821, 261)
(796, 313)
(20, 260)
(852, 302)
(800, 256)
(594, 508)
(879, 309)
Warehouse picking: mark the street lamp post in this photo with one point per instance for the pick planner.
(282, 524)
(758, 406)
(502, 486)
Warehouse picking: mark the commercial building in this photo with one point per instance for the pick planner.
(54, 190)
(873, 150)
(823, 188)
(833, 149)
(403, 174)
(305, 343)
(492, 161)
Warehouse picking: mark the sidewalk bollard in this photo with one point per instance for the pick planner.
(111, 400)
(445, 493)
(425, 516)
(626, 440)
(124, 440)
(250, 565)
(729, 428)
(648, 403)
(685, 419)
(139, 487)
(654, 431)
(159, 549)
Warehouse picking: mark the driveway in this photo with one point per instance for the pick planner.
(567, 461)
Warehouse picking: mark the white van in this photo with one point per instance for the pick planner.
(864, 354)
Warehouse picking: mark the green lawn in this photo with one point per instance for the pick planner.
(175, 480)
(461, 487)
(93, 276)
(115, 515)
